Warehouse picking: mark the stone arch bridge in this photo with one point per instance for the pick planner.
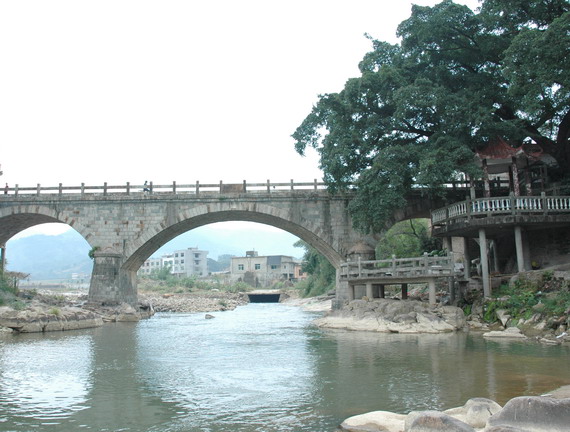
(126, 224)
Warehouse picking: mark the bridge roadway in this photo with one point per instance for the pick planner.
(126, 224)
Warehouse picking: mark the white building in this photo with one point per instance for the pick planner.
(262, 271)
(182, 263)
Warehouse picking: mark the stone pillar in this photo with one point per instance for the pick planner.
(431, 286)
(519, 248)
(484, 262)
(2, 258)
(342, 291)
(447, 243)
(369, 291)
(109, 283)
(350, 292)
(404, 291)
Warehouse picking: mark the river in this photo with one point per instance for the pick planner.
(261, 367)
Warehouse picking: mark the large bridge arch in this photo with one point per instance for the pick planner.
(156, 236)
(17, 219)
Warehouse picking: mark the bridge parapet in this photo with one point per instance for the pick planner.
(174, 188)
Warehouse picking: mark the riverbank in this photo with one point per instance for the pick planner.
(45, 311)
(547, 413)
(208, 301)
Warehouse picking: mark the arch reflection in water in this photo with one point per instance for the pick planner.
(45, 378)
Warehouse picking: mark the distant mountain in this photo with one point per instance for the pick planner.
(48, 257)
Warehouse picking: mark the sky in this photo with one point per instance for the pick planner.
(171, 90)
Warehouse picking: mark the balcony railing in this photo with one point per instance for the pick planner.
(485, 207)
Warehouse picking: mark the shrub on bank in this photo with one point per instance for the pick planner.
(526, 297)
(181, 285)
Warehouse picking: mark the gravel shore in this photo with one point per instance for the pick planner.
(194, 302)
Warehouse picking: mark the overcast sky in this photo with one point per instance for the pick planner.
(117, 91)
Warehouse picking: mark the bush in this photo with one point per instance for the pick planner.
(521, 300)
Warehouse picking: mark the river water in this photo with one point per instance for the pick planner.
(261, 367)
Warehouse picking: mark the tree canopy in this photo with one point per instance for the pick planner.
(457, 80)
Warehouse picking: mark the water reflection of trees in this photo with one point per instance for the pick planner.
(395, 372)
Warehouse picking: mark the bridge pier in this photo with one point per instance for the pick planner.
(109, 283)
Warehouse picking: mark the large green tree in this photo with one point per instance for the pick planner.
(457, 80)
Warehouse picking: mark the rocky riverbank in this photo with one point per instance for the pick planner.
(394, 316)
(210, 301)
(549, 413)
(49, 311)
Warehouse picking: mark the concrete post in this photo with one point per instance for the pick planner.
(484, 262)
(431, 285)
(109, 283)
(519, 248)
(369, 291)
(466, 258)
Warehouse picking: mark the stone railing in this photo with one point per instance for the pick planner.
(197, 188)
(486, 207)
(399, 268)
(173, 188)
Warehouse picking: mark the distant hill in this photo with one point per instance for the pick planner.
(49, 257)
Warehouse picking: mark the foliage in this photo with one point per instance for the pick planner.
(456, 81)
(409, 238)
(162, 280)
(6, 285)
(92, 251)
(321, 274)
(524, 298)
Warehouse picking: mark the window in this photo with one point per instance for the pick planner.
(176, 255)
(258, 266)
(182, 254)
(196, 255)
(240, 266)
(273, 267)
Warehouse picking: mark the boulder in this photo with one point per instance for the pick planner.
(475, 412)
(504, 429)
(376, 421)
(510, 333)
(395, 316)
(38, 319)
(503, 316)
(534, 414)
(434, 421)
